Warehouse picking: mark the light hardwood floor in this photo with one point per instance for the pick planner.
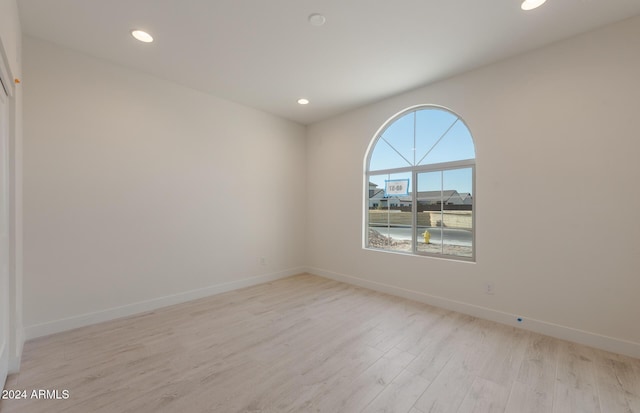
(308, 344)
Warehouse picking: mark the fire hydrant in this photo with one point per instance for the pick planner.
(427, 237)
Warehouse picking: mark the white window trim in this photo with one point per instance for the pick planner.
(415, 170)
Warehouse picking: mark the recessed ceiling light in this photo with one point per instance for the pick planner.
(303, 101)
(532, 4)
(317, 19)
(142, 36)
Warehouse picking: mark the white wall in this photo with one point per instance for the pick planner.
(10, 32)
(140, 193)
(556, 132)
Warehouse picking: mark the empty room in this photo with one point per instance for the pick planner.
(319, 206)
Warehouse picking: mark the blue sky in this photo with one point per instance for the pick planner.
(425, 137)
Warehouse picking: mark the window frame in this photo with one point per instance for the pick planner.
(415, 171)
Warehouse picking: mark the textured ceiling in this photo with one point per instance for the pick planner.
(266, 55)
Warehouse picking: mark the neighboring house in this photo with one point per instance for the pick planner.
(376, 196)
(399, 201)
(404, 201)
(449, 197)
(467, 199)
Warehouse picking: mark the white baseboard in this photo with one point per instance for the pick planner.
(57, 326)
(611, 344)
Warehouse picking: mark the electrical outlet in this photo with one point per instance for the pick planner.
(489, 289)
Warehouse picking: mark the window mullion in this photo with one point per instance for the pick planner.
(442, 212)
(414, 210)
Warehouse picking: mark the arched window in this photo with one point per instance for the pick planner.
(420, 185)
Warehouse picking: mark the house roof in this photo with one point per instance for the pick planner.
(377, 192)
(433, 196)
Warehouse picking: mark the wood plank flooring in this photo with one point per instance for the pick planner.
(308, 344)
